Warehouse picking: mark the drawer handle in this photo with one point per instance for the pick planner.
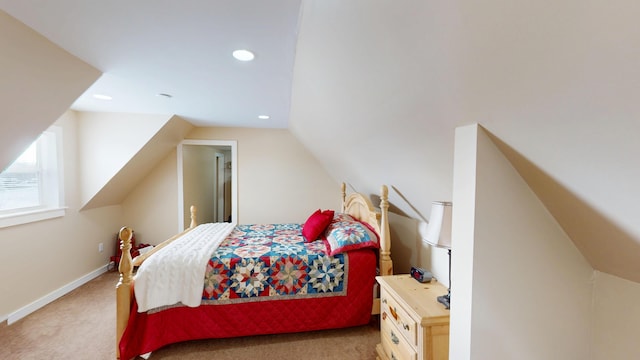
(405, 326)
(384, 301)
(393, 357)
(394, 313)
(384, 316)
(394, 338)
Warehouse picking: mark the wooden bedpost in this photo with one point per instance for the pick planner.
(386, 264)
(123, 288)
(193, 210)
(343, 196)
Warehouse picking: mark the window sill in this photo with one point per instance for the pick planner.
(30, 216)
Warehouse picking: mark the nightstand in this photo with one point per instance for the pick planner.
(413, 325)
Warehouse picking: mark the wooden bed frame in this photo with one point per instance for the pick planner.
(356, 205)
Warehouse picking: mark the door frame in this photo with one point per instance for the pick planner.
(234, 176)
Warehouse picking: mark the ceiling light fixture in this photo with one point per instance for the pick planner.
(164, 95)
(102, 97)
(263, 117)
(243, 55)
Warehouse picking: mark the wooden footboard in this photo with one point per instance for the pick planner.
(124, 288)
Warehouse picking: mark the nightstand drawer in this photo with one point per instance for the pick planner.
(394, 345)
(392, 312)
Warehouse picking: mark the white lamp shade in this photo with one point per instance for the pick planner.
(438, 232)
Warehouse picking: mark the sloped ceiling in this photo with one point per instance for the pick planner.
(607, 246)
(39, 83)
(380, 86)
(373, 113)
(116, 151)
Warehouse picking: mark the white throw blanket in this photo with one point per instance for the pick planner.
(176, 272)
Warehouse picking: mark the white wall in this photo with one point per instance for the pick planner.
(151, 208)
(462, 241)
(530, 289)
(616, 319)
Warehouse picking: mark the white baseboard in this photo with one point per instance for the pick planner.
(26, 310)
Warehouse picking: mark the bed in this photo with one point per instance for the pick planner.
(261, 278)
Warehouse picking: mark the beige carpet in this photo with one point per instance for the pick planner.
(81, 325)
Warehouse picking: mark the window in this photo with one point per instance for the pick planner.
(31, 188)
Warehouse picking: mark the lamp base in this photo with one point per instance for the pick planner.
(445, 300)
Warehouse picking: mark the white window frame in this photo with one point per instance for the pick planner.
(50, 154)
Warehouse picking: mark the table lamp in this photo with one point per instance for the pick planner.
(438, 234)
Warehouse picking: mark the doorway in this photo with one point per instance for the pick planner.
(207, 178)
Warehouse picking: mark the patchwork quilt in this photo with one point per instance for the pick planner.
(272, 261)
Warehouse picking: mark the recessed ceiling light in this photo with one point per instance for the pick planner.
(102, 97)
(263, 117)
(243, 55)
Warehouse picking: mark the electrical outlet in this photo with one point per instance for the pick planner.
(101, 247)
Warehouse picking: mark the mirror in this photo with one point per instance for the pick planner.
(207, 178)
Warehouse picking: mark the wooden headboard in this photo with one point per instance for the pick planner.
(361, 208)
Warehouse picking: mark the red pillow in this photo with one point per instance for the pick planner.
(316, 224)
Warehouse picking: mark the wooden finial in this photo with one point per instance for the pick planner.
(343, 196)
(193, 210)
(384, 192)
(125, 236)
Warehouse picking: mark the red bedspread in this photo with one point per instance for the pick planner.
(351, 306)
